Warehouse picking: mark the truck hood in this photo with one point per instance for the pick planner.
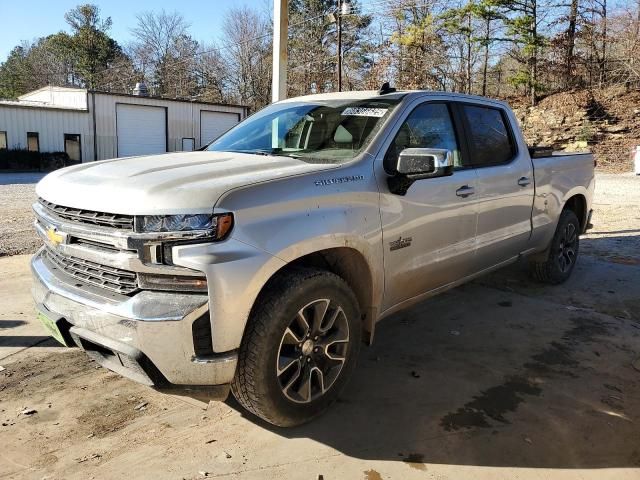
(164, 184)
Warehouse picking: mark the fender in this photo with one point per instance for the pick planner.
(278, 222)
(558, 179)
(237, 272)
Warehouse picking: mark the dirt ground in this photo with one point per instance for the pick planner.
(501, 378)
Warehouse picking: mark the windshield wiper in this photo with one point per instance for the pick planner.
(273, 151)
(267, 153)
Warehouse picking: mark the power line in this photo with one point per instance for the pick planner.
(216, 49)
(219, 49)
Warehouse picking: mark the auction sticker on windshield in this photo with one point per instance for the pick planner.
(364, 112)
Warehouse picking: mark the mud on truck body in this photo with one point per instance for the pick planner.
(261, 263)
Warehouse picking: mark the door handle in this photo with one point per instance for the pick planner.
(524, 181)
(465, 191)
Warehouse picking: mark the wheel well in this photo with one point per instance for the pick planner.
(350, 265)
(578, 205)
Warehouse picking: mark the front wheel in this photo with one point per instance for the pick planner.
(299, 348)
(563, 251)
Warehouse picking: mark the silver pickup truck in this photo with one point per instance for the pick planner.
(261, 263)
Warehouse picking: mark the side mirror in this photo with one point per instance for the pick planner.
(420, 163)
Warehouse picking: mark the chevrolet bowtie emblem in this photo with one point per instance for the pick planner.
(54, 236)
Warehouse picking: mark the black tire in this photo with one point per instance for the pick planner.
(562, 254)
(258, 383)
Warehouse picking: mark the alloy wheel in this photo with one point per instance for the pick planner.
(567, 247)
(312, 351)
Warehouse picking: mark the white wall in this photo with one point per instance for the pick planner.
(183, 119)
(51, 125)
(58, 96)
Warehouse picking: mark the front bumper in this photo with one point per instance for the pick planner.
(146, 337)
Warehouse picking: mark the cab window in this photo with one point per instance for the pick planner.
(490, 140)
(428, 126)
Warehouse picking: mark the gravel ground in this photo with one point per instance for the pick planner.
(616, 219)
(614, 194)
(17, 193)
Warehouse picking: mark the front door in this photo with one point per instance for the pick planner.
(428, 233)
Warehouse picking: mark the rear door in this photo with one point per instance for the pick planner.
(505, 183)
(428, 233)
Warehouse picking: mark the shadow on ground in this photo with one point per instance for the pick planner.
(27, 341)
(11, 323)
(501, 372)
(9, 339)
(20, 178)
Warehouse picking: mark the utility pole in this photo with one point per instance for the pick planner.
(280, 37)
(339, 21)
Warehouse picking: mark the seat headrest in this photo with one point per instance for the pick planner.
(403, 137)
(342, 135)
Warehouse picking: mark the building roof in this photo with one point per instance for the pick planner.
(51, 88)
(51, 97)
(34, 104)
(155, 97)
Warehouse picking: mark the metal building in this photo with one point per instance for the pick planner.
(91, 125)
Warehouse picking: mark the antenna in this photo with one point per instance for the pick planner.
(385, 88)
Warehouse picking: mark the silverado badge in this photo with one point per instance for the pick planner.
(400, 243)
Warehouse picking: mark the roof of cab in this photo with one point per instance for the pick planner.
(355, 95)
(374, 94)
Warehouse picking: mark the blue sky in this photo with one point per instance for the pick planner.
(31, 19)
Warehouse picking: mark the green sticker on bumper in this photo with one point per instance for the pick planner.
(52, 328)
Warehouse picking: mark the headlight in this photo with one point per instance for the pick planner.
(217, 225)
(177, 223)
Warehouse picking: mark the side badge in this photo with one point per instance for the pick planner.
(400, 243)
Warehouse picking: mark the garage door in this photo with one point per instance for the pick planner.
(141, 130)
(214, 124)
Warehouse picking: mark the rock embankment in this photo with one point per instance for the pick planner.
(605, 122)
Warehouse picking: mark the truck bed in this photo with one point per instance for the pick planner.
(557, 177)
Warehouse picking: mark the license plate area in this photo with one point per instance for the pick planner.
(58, 328)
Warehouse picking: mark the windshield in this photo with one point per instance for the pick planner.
(333, 131)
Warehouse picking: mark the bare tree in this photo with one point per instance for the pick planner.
(247, 56)
(419, 37)
(493, 47)
(571, 41)
(312, 46)
(165, 52)
(212, 75)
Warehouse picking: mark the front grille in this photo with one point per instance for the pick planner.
(110, 278)
(105, 247)
(89, 217)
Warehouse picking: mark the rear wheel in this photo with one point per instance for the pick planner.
(299, 348)
(563, 251)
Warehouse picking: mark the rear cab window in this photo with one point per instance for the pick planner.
(489, 136)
